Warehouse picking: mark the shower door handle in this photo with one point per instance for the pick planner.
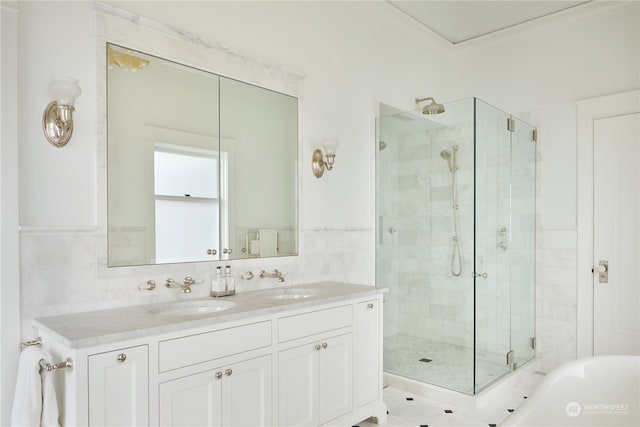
(480, 275)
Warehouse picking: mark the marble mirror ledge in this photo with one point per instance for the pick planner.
(130, 30)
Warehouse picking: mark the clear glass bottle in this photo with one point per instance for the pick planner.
(217, 284)
(229, 280)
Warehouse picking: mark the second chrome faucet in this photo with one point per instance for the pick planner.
(276, 274)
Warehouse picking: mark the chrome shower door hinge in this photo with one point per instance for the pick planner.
(534, 135)
(511, 357)
(511, 124)
(532, 342)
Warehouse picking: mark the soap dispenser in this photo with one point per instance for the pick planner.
(223, 286)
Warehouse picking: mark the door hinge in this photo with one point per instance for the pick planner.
(511, 357)
(534, 135)
(532, 342)
(511, 124)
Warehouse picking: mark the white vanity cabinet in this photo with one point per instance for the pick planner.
(315, 381)
(235, 395)
(119, 387)
(315, 363)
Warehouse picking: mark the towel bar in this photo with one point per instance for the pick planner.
(37, 341)
(66, 364)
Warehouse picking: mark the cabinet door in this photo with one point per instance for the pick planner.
(297, 386)
(335, 378)
(246, 393)
(119, 388)
(194, 400)
(367, 352)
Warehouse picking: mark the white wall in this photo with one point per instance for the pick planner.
(57, 185)
(353, 55)
(9, 261)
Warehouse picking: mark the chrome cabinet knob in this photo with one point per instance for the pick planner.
(212, 252)
(317, 347)
(370, 305)
(121, 357)
(228, 372)
(324, 345)
(218, 375)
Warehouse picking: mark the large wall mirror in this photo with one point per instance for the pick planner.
(200, 167)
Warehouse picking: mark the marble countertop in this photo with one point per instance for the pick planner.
(81, 330)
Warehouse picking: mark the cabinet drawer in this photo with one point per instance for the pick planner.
(193, 349)
(307, 324)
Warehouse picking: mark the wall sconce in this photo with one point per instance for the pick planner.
(57, 120)
(318, 164)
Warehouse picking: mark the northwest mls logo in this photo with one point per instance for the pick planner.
(573, 409)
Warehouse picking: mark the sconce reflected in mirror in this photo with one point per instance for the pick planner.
(57, 120)
(318, 163)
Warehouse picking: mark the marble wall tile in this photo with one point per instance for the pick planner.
(64, 271)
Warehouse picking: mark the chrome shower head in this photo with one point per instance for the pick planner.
(432, 108)
(446, 155)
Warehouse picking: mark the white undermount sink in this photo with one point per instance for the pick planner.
(291, 294)
(190, 308)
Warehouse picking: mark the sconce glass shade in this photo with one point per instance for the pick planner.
(64, 90)
(57, 120)
(330, 146)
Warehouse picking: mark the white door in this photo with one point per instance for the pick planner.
(297, 386)
(616, 232)
(193, 400)
(119, 388)
(246, 393)
(335, 378)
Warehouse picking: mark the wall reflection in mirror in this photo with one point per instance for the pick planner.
(200, 167)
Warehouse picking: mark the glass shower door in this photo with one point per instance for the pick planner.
(493, 229)
(522, 247)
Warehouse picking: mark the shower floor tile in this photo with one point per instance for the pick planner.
(450, 366)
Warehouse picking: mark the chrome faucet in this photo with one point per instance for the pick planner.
(185, 286)
(276, 274)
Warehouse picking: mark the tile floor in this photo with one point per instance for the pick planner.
(409, 410)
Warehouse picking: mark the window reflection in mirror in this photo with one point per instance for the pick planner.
(186, 203)
(199, 167)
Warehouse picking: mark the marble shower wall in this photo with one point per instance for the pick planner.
(416, 227)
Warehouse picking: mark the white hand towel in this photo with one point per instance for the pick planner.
(49, 400)
(34, 392)
(268, 242)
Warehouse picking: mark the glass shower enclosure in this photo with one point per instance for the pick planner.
(455, 243)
